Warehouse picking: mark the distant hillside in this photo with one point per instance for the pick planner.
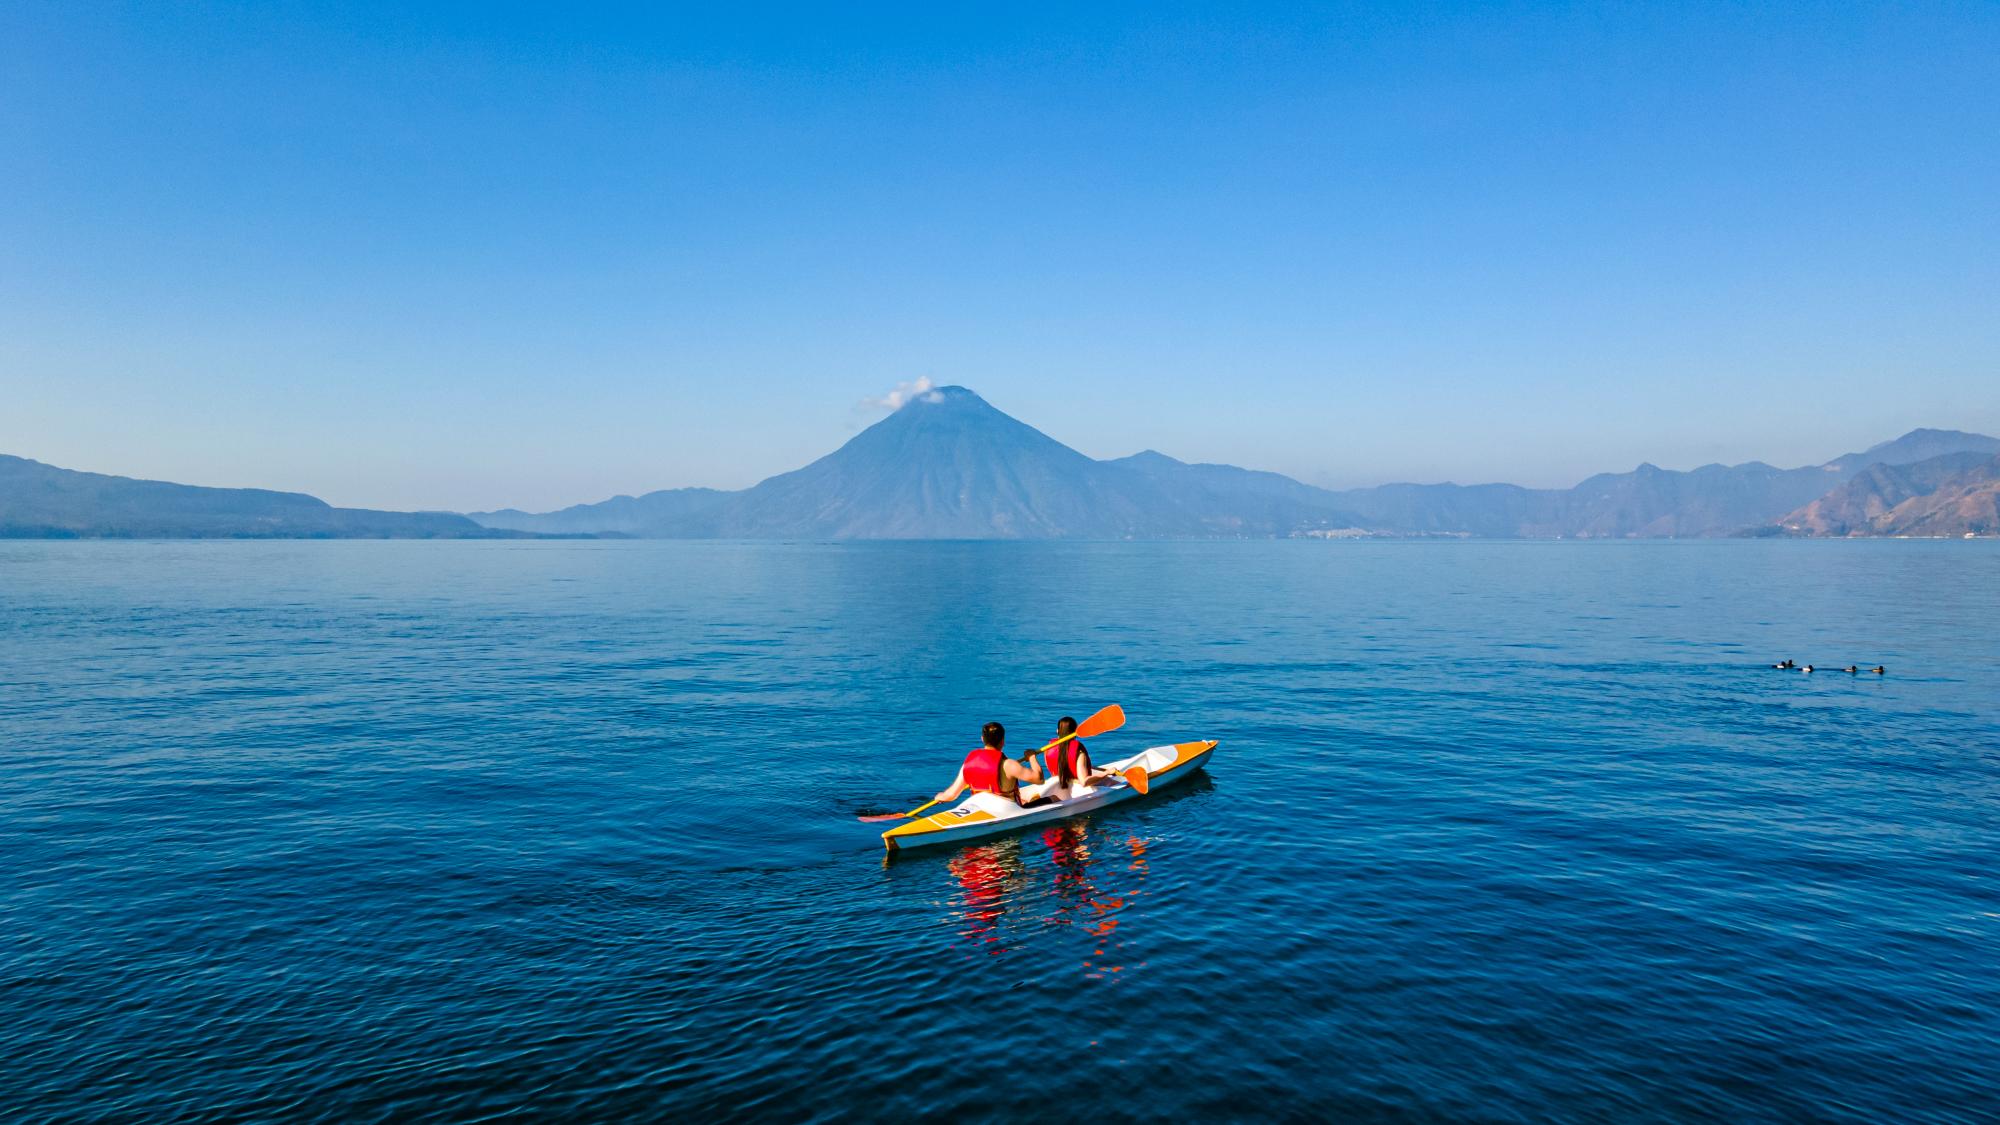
(1648, 502)
(1917, 445)
(1226, 500)
(42, 501)
(669, 512)
(1496, 511)
(1951, 495)
(1968, 504)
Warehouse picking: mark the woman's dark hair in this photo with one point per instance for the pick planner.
(1066, 753)
(992, 733)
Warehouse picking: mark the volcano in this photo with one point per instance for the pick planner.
(948, 465)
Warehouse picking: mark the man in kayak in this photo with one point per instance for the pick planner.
(989, 769)
(1069, 763)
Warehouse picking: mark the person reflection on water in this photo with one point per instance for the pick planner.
(989, 769)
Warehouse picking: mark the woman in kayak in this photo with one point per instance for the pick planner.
(989, 769)
(1069, 763)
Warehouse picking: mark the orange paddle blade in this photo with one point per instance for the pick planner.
(1136, 777)
(1111, 718)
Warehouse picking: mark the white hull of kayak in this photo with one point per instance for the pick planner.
(986, 814)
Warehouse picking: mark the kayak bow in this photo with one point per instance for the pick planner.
(986, 814)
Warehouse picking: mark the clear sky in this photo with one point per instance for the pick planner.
(494, 255)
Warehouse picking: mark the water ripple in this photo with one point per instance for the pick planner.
(1498, 832)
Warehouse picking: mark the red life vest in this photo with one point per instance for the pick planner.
(1054, 759)
(981, 770)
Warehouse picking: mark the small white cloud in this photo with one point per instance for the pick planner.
(905, 393)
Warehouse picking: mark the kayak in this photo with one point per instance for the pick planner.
(989, 814)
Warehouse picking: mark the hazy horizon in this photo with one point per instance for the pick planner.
(469, 260)
(874, 405)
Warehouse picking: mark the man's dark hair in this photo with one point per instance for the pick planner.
(992, 733)
(1065, 725)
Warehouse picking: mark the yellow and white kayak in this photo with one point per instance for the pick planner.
(987, 814)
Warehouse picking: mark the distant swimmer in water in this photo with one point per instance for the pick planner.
(1880, 670)
(1787, 664)
(1850, 669)
(1807, 668)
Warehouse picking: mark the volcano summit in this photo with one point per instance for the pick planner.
(947, 465)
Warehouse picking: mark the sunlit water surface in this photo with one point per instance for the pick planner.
(358, 831)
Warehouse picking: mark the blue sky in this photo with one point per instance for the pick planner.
(493, 255)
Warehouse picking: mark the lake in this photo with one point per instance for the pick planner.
(370, 831)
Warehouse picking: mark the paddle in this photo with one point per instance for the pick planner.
(880, 817)
(1136, 777)
(1109, 719)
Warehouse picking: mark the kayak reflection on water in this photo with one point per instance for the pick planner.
(987, 876)
(1082, 902)
(1084, 862)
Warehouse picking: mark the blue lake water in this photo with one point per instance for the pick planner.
(365, 831)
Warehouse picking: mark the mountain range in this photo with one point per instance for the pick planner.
(948, 465)
(40, 501)
(1648, 502)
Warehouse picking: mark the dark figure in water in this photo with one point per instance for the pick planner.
(1807, 668)
(1879, 669)
(1787, 664)
(1850, 669)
